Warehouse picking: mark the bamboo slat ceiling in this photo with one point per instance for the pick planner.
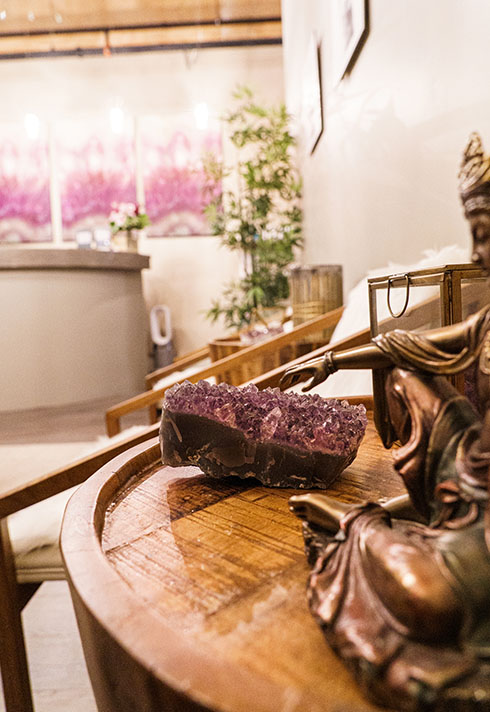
(51, 27)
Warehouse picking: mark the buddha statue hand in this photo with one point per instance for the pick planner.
(317, 369)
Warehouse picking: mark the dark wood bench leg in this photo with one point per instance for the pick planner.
(13, 659)
(153, 413)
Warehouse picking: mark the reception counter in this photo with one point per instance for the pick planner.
(74, 326)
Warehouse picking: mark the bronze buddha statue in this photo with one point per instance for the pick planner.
(402, 590)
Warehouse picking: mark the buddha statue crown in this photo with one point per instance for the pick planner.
(474, 177)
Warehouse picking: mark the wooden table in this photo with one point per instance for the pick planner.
(190, 592)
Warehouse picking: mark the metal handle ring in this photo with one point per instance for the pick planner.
(407, 296)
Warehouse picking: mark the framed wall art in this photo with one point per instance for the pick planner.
(173, 175)
(78, 168)
(311, 105)
(350, 23)
(95, 167)
(25, 204)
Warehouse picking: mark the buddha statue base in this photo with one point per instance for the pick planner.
(401, 603)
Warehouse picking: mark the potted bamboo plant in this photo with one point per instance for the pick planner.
(257, 212)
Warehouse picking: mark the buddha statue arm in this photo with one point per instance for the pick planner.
(447, 349)
(320, 368)
(451, 338)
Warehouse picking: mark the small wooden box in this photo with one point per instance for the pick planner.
(315, 290)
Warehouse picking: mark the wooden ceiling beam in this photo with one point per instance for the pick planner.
(140, 26)
(196, 35)
(120, 41)
(26, 17)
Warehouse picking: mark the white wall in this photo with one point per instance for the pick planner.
(382, 182)
(186, 273)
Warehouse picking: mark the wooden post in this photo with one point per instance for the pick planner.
(13, 659)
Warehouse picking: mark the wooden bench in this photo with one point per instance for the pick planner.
(151, 398)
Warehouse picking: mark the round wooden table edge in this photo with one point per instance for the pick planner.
(160, 666)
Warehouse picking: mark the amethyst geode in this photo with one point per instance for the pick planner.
(282, 439)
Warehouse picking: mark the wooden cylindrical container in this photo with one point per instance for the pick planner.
(315, 290)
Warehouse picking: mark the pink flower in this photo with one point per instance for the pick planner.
(127, 216)
(117, 218)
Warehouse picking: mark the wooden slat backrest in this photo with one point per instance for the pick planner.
(149, 398)
(183, 362)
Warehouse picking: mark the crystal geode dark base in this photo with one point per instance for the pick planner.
(220, 450)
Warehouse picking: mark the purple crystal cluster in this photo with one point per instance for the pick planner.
(307, 422)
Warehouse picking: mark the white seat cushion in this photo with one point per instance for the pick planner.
(41, 564)
(35, 533)
(35, 530)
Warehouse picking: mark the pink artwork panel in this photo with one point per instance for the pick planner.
(173, 176)
(25, 207)
(95, 167)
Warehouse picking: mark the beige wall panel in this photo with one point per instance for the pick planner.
(72, 335)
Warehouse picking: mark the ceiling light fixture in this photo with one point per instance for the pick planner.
(3, 14)
(190, 57)
(107, 47)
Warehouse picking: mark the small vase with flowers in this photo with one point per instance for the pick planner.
(126, 220)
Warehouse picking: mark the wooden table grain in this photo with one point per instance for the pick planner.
(190, 593)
